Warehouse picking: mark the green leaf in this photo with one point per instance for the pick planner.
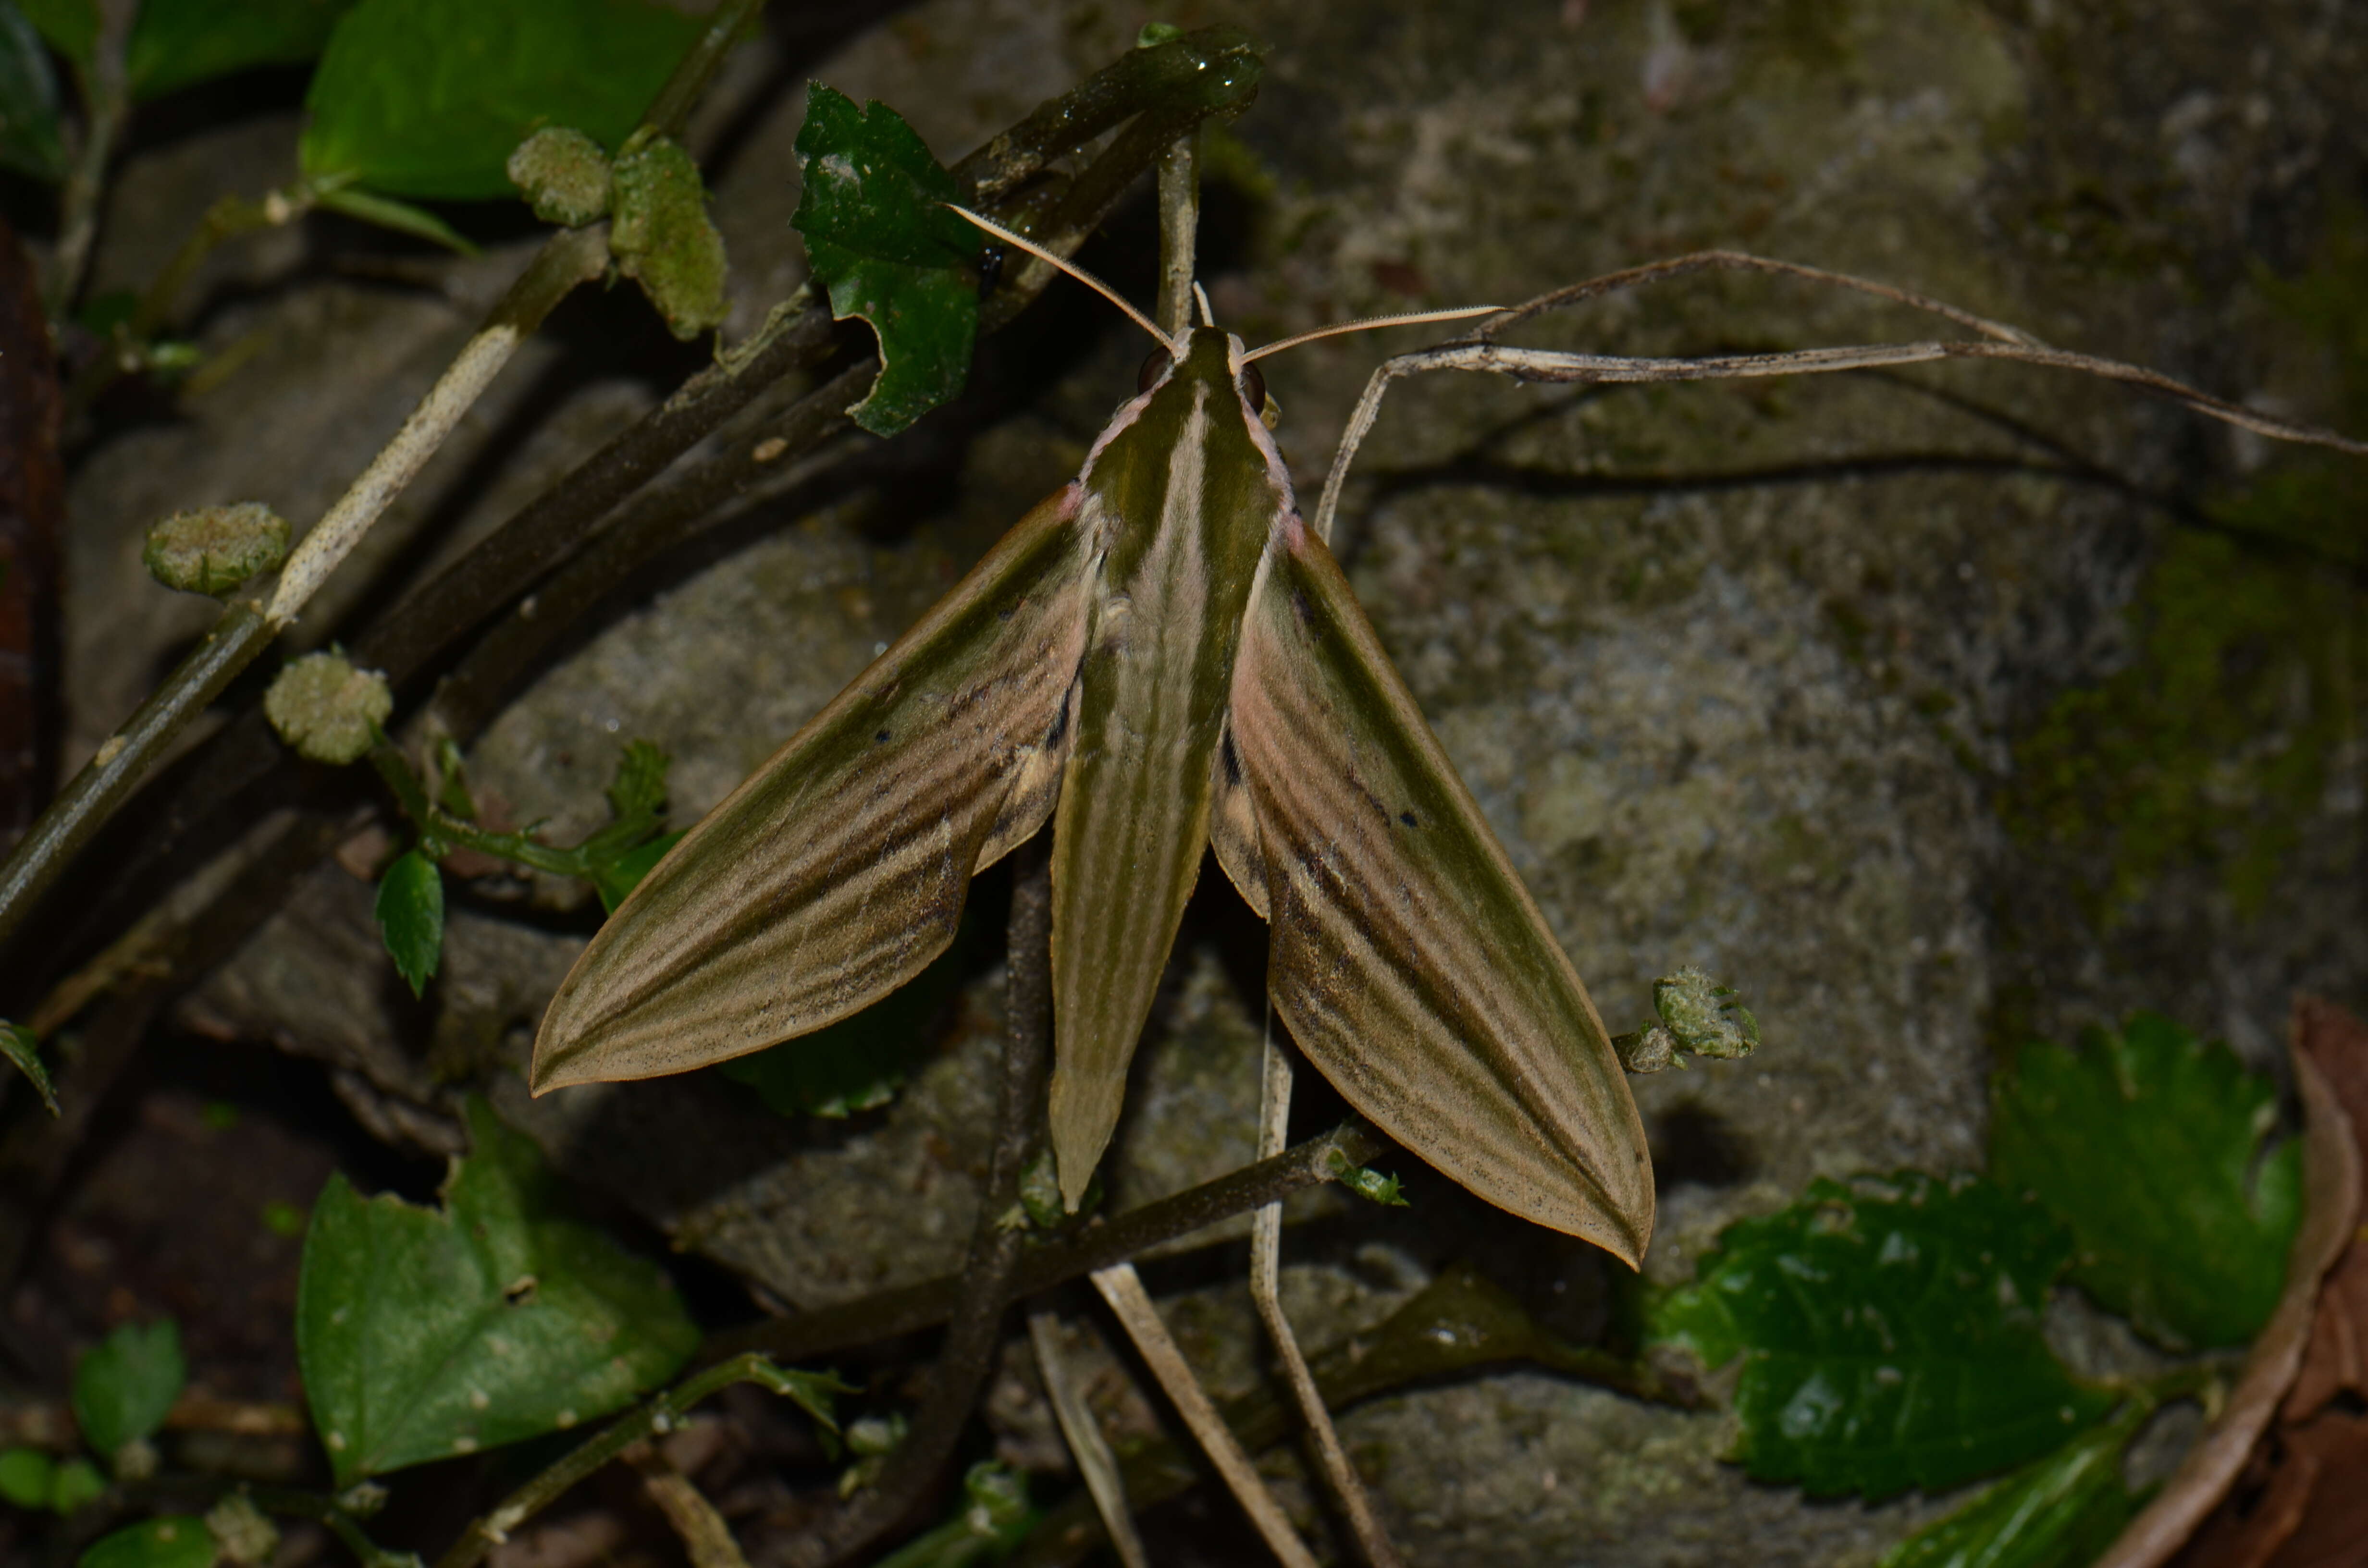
(30, 142)
(1889, 1332)
(859, 1063)
(176, 42)
(170, 1540)
(71, 25)
(425, 1332)
(411, 916)
(2148, 1143)
(428, 97)
(612, 879)
(886, 249)
(2058, 1512)
(26, 1475)
(399, 217)
(22, 1047)
(122, 1389)
(1367, 1183)
(640, 787)
(77, 1483)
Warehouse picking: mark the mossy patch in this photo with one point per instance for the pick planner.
(2214, 746)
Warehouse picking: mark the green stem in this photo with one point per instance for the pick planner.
(653, 1419)
(731, 23)
(291, 1504)
(105, 107)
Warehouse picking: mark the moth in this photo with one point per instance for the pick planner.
(1162, 657)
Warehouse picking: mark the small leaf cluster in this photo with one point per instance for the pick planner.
(410, 906)
(1695, 1016)
(124, 1388)
(1887, 1332)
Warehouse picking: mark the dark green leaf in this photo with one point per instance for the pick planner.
(1890, 1334)
(428, 97)
(2148, 1143)
(612, 879)
(171, 1541)
(859, 1063)
(411, 916)
(72, 26)
(29, 101)
(2058, 1512)
(26, 1475)
(22, 1047)
(425, 1332)
(662, 237)
(886, 249)
(122, 1389)
(176, 42)
(401, 217)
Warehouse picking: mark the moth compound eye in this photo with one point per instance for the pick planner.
(1271, 414)
(1153, 368)
(1254, 389)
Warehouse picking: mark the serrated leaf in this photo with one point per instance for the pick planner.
(885, 248)
(176, 42)
(2147, 1143)
(1889, 1332)
(411, 918)
(22, 1047)
(29, 142)
(427, 98)
(640, 785)
(170, 1540)
(426, 1333)
(2058, 1512)
(124, 1387)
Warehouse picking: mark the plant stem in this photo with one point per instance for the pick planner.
(911, 1307)
(652, 1420)
(105, 106)
(993, 1266)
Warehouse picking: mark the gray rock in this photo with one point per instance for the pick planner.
(1742, 675)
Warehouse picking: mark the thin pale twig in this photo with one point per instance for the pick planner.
(1122, 1288)
(1265, 1293)
(1096, 1464)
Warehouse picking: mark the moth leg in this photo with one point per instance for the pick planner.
(1265, 1280)
(1481, 352)
(1086, 1444)
(1122, 1288)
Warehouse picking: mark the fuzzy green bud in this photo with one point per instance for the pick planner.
(1703, 1015)
(215, 549)
(563, 176)
(327, 709)
(662, 238)
(243, 1532)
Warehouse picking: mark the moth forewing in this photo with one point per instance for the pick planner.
(839, 870)
(1407, 959)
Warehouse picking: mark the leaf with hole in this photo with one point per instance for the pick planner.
(427, 98)
(123, 1389)
(2149, 1143)
(885, 246)
(426, 1333)
(1889, 1335)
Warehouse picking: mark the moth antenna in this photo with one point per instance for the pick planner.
(1367, 324)
(1208, 316)
(1079, 273)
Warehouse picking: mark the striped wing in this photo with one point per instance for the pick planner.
(1409, 962)
(838, 871)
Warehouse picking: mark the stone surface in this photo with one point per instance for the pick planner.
(1744, 675)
